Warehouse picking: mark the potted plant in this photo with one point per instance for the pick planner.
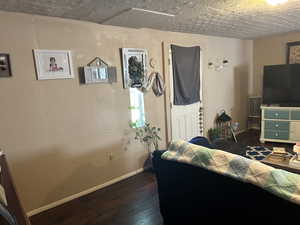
(147, 134)
(213, 134)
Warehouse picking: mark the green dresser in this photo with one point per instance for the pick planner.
(295, 115)
(282, 135)
(276, 114)
(280, 124)
(277, 125)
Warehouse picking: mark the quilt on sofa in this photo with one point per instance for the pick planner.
(279, 182)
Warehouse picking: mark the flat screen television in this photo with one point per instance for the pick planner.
(281, 85)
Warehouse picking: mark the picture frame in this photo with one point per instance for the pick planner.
(5, 67)
(135, 66)
(96, 74)
(53, 64)
(293, 52)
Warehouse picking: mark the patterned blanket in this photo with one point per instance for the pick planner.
(279, 182)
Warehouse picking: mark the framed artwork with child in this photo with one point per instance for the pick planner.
(53, 64)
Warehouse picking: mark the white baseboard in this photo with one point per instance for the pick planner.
(80, 194)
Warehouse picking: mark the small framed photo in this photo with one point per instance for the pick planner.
(53, 64)
(135, 62)
(293, 52)
(5, 69)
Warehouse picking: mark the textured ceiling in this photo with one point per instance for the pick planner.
(246, 19)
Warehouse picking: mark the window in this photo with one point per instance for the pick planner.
(137, 107)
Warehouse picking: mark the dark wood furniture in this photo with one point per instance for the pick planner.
(13, 202)
(281, 163)
(190, 195)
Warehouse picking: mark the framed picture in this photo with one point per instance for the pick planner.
(96, 74)
(135, 62)
(293, 52)
(5, 69)
(53, 64)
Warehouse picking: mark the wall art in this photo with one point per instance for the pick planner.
(135, 62)
(53, 64)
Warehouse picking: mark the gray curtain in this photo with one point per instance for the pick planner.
(186, 74)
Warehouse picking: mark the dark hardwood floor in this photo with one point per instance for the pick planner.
(133, 201)
(249, 138)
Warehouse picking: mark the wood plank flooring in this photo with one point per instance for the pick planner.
(133, 201)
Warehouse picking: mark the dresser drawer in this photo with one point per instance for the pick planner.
(276, 114)
(295, 115)
(282, 135)
(277, 125)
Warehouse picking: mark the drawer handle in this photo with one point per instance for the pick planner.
(276, 134)
(277, 125)
(276, 114)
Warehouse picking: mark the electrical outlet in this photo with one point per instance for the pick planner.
(110, 156)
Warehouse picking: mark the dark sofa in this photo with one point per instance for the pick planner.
(190, 195)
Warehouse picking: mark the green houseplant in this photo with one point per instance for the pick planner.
(147, 134)
(214, 133)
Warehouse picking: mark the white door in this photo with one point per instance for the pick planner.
(187, 120)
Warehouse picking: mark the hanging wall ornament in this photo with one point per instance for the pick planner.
(98, 71)
(152, 63)
(148, 84)
(155, 82)
(158, 86)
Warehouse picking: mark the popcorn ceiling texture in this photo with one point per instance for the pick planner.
(245, 19)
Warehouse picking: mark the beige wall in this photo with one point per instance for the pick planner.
(227, 89)
(269, 51)
(58, 134)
